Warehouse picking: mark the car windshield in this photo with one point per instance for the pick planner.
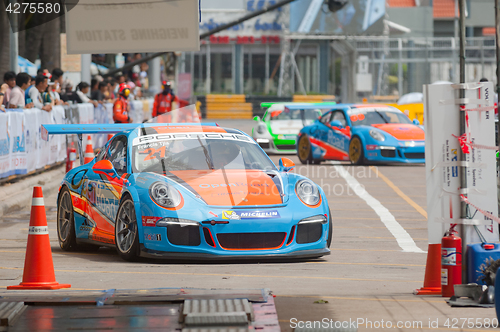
(197, 151)
(371, 116)
(286, 114)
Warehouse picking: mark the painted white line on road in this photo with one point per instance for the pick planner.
(402, 237)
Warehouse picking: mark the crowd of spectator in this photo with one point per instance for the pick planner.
(48, 89)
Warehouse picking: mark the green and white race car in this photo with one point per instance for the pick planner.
(277, 131)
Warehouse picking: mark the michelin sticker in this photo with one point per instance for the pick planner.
(238, 215)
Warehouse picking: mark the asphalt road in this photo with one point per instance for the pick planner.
(370, 275)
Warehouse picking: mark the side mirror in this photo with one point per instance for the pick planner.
(104, 167)
(286, 165)
(256, 118)
(336, 123)
(416, 122)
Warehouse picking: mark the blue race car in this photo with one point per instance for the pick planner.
(191, 192)
(362, 133)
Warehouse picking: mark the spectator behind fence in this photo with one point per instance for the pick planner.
(27, 92)
(41, 85)
(98, 95)
(111, 88)
(67, 93)
(17, 99)
(10, 79)
(3, 88)
(81, 91)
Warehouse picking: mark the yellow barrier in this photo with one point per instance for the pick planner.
(313, 98)
(414, 111)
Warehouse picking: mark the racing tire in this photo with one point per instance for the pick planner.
(66, 221)
(330, 230)
(304, 150)
(356, 152)
(126, 231)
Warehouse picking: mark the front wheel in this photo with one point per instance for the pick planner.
(356, 154)
(126, 231)
(66, 221)
(304, 150)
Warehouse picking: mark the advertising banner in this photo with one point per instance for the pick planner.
(443, 167)
(136, 111)
(44, 146)
(30, 132)
(5, 146)
(18, 145)
(112, 26)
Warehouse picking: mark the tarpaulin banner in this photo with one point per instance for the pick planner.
(18, 144)
(136, 111)
(5, 146)
(22, 149)
(30, 133)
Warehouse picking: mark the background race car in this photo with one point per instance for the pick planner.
(189, 191)
(277, 131)
(362, 133)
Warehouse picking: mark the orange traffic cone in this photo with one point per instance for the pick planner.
(89, 151)
(432, 279)
(38, 264)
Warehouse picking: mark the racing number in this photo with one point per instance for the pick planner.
(152, 152)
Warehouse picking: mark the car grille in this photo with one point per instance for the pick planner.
(415, 155)
(256, 241)
(264, 145)
(183, 235)
(307, 233)
(388, 153)
(286, 146)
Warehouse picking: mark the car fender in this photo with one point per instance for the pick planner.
(132, 192)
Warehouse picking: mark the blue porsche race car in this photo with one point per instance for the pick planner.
(191, 192)
(362, 133)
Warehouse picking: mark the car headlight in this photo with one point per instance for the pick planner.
(307, 192)
(377, 135)
(164, 222)
(319, 218)
(165, 195)
(261, 129)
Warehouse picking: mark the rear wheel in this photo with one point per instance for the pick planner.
(66, 221)
(356, 154)
(126, 231)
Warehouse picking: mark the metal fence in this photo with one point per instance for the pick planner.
(396, 66)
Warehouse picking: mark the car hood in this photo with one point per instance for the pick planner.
(402, 131)
(232, 187)
(286, 127)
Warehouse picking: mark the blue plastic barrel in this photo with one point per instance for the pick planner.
(477, 254)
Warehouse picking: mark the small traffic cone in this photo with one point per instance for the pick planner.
(89, 151)
(432, 279)
(38, 264)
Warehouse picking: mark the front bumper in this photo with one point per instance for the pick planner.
(277, 146)
(302, 254)
(396, 154)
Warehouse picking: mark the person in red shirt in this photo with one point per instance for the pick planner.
(163, 101)
(121, 106)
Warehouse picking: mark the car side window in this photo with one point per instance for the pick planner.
(325, 119)
(117, 154)
(339, 116)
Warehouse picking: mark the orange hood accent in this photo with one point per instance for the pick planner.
(232, 187)
(402, 131)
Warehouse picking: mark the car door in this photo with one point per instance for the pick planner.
(104, 191)
(322, 129)
(338, 136)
